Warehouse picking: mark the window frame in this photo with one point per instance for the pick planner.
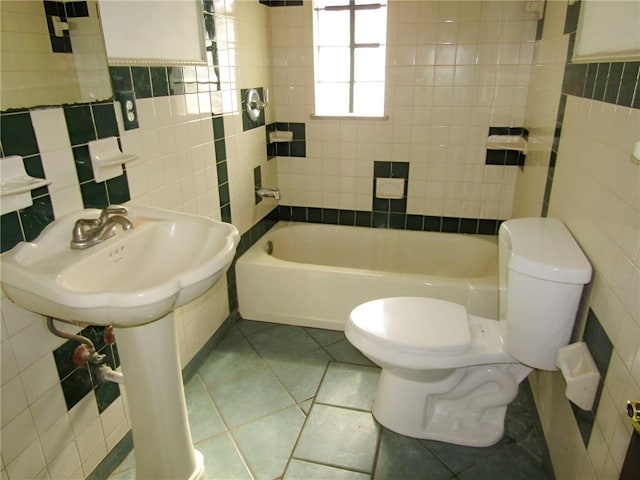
(351, 6)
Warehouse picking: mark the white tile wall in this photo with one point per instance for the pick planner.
(596, 192)
(176, 170)
(453, 69)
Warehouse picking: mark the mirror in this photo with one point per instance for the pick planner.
(158, 33)
(607, 32)
(52, 54)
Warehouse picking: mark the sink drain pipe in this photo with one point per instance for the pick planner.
(86, 352)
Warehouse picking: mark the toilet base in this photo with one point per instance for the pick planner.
(466, 407)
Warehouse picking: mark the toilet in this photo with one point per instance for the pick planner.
(448, 375)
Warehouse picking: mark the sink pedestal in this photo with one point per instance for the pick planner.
(157, 408)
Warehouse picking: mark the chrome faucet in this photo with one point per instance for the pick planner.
(268, 192)
(88, 232)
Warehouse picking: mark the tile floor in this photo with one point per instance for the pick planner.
(291, 403)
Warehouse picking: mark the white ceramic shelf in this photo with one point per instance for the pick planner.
(107, 159)
(507, 142)
(16, 185)
(280, 136)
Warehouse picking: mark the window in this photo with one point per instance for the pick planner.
(349, 63)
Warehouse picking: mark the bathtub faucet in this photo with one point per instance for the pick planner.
(263, 192)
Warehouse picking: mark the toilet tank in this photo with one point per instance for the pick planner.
(542, 275)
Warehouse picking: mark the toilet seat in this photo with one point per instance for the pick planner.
(417, 324)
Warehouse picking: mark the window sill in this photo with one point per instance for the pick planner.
(313, 116)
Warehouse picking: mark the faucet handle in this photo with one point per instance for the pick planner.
(82, 226)
(111, 210)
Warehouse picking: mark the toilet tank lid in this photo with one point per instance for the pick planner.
(544, 248)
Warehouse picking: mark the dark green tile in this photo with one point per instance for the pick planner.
(17, 135)
(511, 459)
(249, 397)
(159, 82)
(94, 195)
(223, 176)
(218, 128)
(141, 82)
(406, 458)
(282, 342)
(118, 189)
(221, 150)
(613, 82)
(229, 360)
(79, 124)
(301, 374)
(344, 352)
(349, 386)
(249, 327)
(339, 437)
(63, 357)
(33, 166)
(221, 459)
(106, 393)
(225, 213)
(76, 386)
(204, 420)
(120, 79)
(458, 458)
(223, 191)
(432, 224)
(105, 119)
(82, 160)
(279, 431)
(36, 217)
(325, 337)
(628, 83)
(11, 230)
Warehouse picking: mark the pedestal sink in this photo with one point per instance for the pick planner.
(132, 281)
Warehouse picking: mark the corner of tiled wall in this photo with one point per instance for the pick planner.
(579, 170)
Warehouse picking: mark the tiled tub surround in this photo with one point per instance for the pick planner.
(317, 274)
(314, 414)
(454, 69)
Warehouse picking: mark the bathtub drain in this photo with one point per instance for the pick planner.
(269, 247)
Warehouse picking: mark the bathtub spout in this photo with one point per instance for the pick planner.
(268, 192)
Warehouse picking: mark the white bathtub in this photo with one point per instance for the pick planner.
(317, 273)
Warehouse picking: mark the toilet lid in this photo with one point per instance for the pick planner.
(425, 324)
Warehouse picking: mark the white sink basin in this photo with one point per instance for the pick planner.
(140, 275)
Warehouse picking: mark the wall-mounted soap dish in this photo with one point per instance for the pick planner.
(16, 185)
(107, 159)
(280, 136)
(581, 374)
(507, 142)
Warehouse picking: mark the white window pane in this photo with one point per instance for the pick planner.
(333, 64)
(371, 26)
(368, 98)
(332, 98)
(333, 28)
(369, 64)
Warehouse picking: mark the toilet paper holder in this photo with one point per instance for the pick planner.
(580, 373)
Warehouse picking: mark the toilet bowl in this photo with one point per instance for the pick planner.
(449, 376)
